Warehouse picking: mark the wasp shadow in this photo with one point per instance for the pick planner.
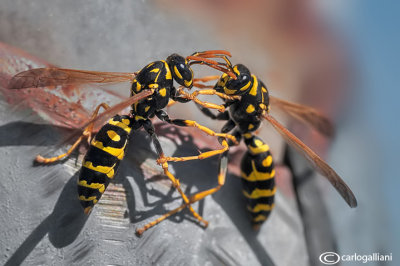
(27, 133)
(66, 221)
(317, 226)
(199, 175)
(139, 150)
(63, 225)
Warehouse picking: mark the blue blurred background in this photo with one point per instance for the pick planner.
(368, 141)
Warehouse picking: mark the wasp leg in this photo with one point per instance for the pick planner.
(208, 113)
(194, 94)
(189, 96)
(171, 102)
(193, 97)
(174, 98)
(236, 133)
(214, 92)
(148, 126)
(238, 136)
(177, 100)
(162, 115)
(223, 163)
(87, 133)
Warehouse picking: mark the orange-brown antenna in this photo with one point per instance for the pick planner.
(202, 58)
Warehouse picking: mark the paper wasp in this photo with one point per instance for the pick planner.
(248, 104)
(151, 89)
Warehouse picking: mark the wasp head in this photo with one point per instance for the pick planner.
(181, 70)
(238, 86)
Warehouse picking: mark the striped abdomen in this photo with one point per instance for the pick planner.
(258, 179)
(102, 159)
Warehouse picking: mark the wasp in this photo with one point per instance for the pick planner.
(151, 90)
(246, 104)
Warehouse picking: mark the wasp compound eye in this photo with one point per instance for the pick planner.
(181, 70)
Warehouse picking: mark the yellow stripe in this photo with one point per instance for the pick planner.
(260, 218)
(236, 70)
(256, 175)
(83, 198)
(247, 135)
(138, 117)
(138, 86)
(98, 186)
(126, 121)
(228, 91)
(120, 125)
(260, 148)
(222, 80)
(188, 83)
(250, 108)
(147, 108)
(245, 87)
(153, 85)
(267, 161)
(116, 152)
(162, 92)
(177, 73)
(156, 80)
(253, 90)
(261, 207)
(259, 193)
(109, 171)
(250, 127)
(262, 100)
(113, 135)
(168, 75)
(263, 106)
(155, 70)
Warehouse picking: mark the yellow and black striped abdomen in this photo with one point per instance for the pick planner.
(258, 179)
(102, 159)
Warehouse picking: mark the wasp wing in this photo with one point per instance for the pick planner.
(320, 165)
(110, 112)
(107, 114)
(305, 114)
(42, 77)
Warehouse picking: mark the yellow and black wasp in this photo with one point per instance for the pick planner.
(151, 90)
(248, 102)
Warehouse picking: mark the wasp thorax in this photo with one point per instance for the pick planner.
(181, 70)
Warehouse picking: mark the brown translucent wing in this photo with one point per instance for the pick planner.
(42, 77)
(320, 165)
(110, 112)
(107, 114)
(102, 117)
(306, 115)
